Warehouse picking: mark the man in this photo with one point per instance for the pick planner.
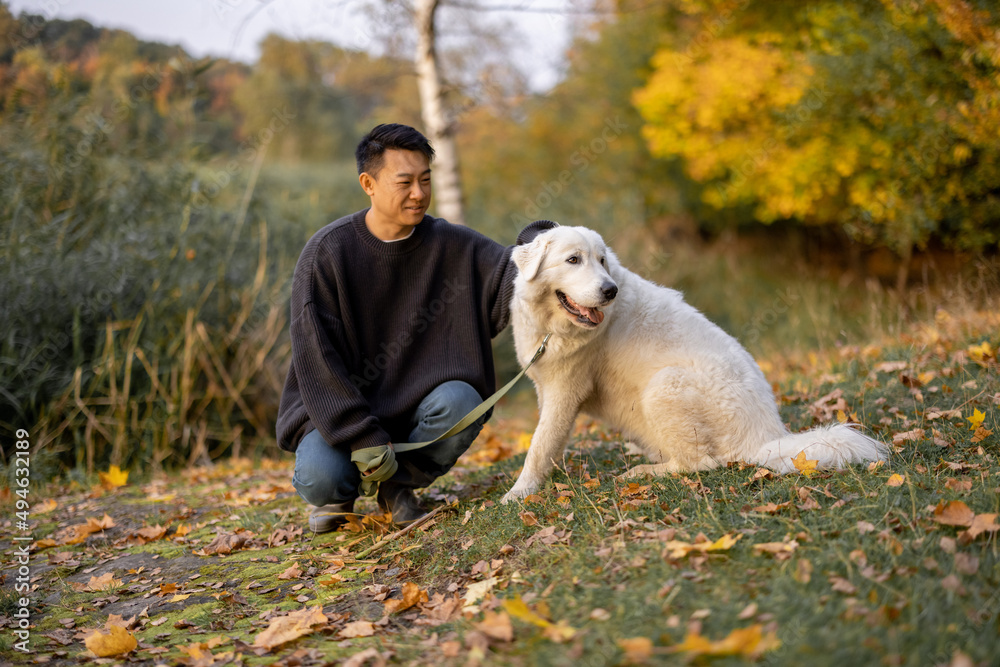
(392, 313)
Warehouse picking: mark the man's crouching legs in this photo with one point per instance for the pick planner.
(327, 478)
(438, 412)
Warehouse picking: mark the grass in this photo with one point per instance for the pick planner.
(865, 570)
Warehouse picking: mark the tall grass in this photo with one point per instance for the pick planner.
(143, 305)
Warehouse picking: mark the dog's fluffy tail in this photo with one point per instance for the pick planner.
(831, 446)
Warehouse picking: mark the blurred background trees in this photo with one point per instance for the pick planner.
(152, 205)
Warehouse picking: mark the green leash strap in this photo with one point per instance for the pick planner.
(378, 464)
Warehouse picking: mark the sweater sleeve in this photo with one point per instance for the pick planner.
(334, 404)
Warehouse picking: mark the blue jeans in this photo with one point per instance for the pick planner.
(325, 475)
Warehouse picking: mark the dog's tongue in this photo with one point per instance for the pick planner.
(591, 314)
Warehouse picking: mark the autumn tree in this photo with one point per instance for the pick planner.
(869, 115)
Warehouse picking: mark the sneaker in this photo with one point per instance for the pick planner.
(328, 518)
(400, 502)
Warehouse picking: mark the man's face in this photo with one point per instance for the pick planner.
(401, 191)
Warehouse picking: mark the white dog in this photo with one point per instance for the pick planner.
(635, 355)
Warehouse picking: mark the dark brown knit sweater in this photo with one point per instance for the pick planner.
(376, 326)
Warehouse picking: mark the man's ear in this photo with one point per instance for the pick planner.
(367, 183)
(529, 257)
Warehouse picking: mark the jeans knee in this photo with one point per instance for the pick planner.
(323, 475)
(453, 399)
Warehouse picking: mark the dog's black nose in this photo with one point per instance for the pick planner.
(610, 291)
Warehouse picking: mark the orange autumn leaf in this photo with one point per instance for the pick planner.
(895, 480)
(412, 595)
(982, 523)
(529, 518)
(637, 649)
(116, 641)
(954, 513)
(289, 627)
(497, 625)
(748, 642)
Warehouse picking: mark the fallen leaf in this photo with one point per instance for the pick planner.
(289, 627)
(983, 523)
(113, 478)
(497, 625)
(953, 513)
(557, 632)
(637, 649)
(599, 614)
(411, 595)
(748, 611)
(908, 436)
(529, 518)
(679, 549)
(357, 629)
(104, 582)
(976, 420)
(781, 550)
(360, 659)
(293, 572)
(953, 484)
(842, 585)
(748, 642)
(226, 543)
(477, 591)
(771, 508)
(981, 434)
(895, 480)
(116, 641)
(803, 465)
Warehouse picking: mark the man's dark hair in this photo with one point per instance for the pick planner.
(370, 153)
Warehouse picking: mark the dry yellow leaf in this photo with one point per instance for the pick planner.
(113, 478)
(557, 632)
(895, 480)
(748, 642)
(976, 420)
(116, 641)
(679, 549)
(287, 628)
(803, 465)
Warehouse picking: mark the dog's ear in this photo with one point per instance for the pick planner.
(529, 257)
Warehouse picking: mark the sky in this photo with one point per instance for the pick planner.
(234, 28)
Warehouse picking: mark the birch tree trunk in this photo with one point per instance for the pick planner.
(447, 181)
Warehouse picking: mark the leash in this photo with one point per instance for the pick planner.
(381, 460)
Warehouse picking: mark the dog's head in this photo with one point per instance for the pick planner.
(565, 273)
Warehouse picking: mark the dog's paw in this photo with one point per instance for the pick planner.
(517, 492)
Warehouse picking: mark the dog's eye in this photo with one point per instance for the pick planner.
(602, 261)
(573, 260)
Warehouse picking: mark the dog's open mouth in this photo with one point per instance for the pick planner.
(588, 317)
